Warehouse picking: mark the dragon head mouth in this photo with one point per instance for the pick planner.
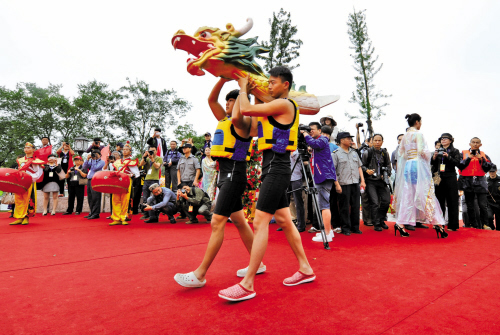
(216, 50)
(195, 47)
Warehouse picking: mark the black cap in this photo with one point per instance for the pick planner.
(448, 136)
(158, 129)
(493, 168)
(187, 145)
(97, 139)
(342, 135)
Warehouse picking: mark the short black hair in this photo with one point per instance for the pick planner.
(378, 135)
(477, 138)
(232, 95)
(317, 124)
(437, 142)
(151, 147)
(284, 74)
(97, 152)
(97, 139)
(397, 138)
(412, 118)
(51, 155)
(326, 130)
(173, 141)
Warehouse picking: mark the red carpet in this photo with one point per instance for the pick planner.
(68, 275)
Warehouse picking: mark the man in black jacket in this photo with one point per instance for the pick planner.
(156, 141)
(444, 163)
(494, 198)
(375, 161)
(473, 167)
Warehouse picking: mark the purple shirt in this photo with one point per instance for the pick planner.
(321, 159)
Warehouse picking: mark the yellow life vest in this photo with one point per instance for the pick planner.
(228, 144)
(276, 136)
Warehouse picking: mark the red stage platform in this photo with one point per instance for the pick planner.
(67, 275)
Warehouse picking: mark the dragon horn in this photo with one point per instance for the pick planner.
(243, 30)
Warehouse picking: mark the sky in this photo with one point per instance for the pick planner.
(440, 57)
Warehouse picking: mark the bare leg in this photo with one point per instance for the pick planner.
(327, 218)
(55, 199)
(284, 219)
(246, 233)
(259, 246)
(45, 202)
(216, 238)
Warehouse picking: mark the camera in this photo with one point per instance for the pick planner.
(93, 155)
(151, 152)
(183, 191)
(473, 152)
(360, 124)
(440, 152)
(142, 206)
(301, 142)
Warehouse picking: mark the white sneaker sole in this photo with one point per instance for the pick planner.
(243, 272)
(250, 296)
(308, 280)
(185, 284)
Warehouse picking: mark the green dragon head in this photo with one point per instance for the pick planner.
(220, 52)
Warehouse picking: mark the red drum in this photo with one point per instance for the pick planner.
(14, 181)
(110, 182)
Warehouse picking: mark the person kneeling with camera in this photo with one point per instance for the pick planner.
(193, 201)
(163, 200)
(377, 169)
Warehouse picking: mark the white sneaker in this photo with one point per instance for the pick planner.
(243, 272)
(189, 280)
(319, 238)
(331, 233)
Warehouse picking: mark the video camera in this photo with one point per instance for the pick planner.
(440, 152)
(302, 144)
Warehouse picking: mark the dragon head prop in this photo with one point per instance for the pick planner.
(224, 54)
(220, 51)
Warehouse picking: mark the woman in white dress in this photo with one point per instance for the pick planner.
(414, 194)
(51, 183)
(209, 181)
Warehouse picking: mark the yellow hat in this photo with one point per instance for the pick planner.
(28, 144)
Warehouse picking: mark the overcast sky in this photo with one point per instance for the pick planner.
(441, 58)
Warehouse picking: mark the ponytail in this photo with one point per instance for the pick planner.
(412, 118)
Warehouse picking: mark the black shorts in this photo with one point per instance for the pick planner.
(272, 194)
(230, 197)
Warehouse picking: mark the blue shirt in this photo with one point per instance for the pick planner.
(321, 159)
(333, 147)
(173, 155)
(93, 166)
(168, 196)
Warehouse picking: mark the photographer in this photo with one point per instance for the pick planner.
(193, 201)
(444, 163)
(157, 142)
(93, 164)
(152, 164)
(365, 200)
(66, 154)
(163, 200)
(76, 177)
(186, 141)
(377, 169)
(324, 175)
(188, 168)
(473, 168)
(494, 198)
(96, 145)
(170, 162)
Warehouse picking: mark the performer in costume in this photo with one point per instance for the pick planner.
(414, 194)
(26, 202)
(231, 147)
(121, 202)
(277, 127)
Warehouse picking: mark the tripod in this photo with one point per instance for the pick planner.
(304, 157)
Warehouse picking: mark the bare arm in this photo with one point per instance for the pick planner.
(363, 184)
(358, 139)
(239, 121)
(213, 102)
(178, 181)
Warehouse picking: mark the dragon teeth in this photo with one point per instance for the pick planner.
(194, 42)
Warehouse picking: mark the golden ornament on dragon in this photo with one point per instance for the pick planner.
(224, 54)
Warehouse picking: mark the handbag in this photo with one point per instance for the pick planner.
(8, 199)
(61, 175)
(83, 181)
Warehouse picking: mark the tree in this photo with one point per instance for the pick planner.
(365, 95)
(187, 131)
(13, 136)
(144, 109)
(283, 48)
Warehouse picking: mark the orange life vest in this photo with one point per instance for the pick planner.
(474, 168)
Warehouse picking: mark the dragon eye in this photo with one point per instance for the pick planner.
(205, 34)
